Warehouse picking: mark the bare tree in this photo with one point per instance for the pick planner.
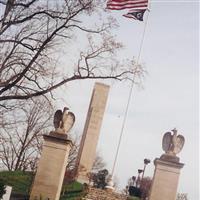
(73, 152)
(21, 138)
(35, 33)
(145, 186)
(99, 163)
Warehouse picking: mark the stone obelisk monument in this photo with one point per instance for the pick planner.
(167, 168)
(87, 150)
(52, 164)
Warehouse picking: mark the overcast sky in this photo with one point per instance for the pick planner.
(169, 98)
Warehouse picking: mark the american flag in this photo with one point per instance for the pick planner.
(124, 4)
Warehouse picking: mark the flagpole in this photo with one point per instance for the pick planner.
(129, 97)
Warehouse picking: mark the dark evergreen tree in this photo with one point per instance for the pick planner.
(99, 179)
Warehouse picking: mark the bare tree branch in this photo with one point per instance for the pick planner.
(20, 141)
(31, 34)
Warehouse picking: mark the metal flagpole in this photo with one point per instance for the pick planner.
(129, 97)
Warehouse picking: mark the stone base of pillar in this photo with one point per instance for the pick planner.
(82, 177)
(51, 169)
(110, 189)
(110, 185)
(166, 177)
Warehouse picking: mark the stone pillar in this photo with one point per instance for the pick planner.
(51, 169)
(166, 177)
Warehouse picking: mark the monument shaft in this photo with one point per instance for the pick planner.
(87, 151)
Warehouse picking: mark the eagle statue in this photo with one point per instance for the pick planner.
(63, 120)
(172, 144)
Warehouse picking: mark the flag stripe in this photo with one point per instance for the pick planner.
(126, 1)
(123, 4)
(127, 6)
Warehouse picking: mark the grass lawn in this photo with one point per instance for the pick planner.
(133, 198)
(20, 181)
(72, 191)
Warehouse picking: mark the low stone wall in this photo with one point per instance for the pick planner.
(98, 194)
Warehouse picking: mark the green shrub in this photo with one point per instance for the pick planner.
(2, 188)
(20, 181)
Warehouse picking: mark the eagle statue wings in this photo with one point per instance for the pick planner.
(172, 143)
(63, 120)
